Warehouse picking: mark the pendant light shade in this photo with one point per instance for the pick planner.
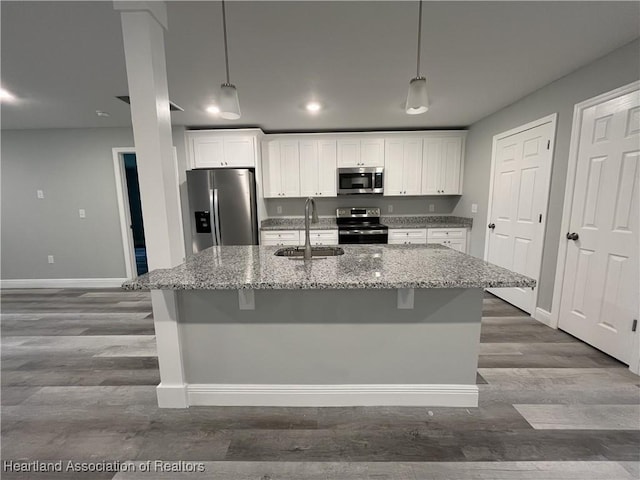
(229, 104)
(417, 98)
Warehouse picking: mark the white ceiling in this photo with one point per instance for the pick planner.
(65, 60)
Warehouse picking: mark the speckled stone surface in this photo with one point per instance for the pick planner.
(427, 221)
(297, 223)
(361, 267)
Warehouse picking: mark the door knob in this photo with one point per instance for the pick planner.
(573, 236)
(492, 226)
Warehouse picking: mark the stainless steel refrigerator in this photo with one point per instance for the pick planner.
(222, 207)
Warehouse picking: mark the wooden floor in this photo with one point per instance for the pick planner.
(79, 372)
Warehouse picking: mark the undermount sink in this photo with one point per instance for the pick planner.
(317, 251)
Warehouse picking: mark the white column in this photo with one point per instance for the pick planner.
(143, 25)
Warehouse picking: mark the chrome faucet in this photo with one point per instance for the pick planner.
(314, 219)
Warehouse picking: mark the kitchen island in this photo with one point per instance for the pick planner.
(379, 325)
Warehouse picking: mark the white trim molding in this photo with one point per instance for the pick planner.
(332, 395)
(62, 283)
(543, 316)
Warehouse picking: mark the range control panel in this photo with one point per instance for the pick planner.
(358, 212)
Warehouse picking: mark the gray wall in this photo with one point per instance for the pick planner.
(74, 168)
(618, 68)
(401, 205)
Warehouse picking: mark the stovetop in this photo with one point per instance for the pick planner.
(359, 218)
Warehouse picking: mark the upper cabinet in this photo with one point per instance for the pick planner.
(281, 168)
(402, 166)
(361, 152)
(442, 165)
(318, 168)
(221, 149)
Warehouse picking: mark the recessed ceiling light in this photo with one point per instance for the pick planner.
(313, 107)
(213, 109)
(6, 96)
(100, 113)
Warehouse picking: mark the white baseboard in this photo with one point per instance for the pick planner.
(172, 396)
(543, 316)
(62, 283)
(332, 395)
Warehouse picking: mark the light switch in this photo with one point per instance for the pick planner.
(474, 208)
(40, 194)
(82, 213)
(432, 207)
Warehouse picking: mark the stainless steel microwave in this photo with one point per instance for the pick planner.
(360, 180)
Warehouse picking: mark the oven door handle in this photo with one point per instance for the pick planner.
(362, 232)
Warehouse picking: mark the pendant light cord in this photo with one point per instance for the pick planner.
(226, 52)
(419, 37)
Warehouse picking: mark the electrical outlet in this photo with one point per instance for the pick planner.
(390, 209)
(50, 259)
(432, 207)
(40, 194)
(279, 209)
(82, 213)
(474, 208)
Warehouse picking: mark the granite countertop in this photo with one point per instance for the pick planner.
(297, 223)
(427, 221)
(329, 223)
(361, 267)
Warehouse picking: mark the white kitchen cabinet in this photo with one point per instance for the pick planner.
(321, 237)
(281, 169)
(455, 238)
(361, 152)
(280, 237)
(208, 149)
(318, 168)
(403, 166)
(442, 166)
(407, 236)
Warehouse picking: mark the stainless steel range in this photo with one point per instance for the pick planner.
(360, 225)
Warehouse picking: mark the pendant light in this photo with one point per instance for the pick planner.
(229, 104)
(417, 98)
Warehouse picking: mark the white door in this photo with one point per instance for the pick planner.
(431, 155)
(599, 299)
(372, 152)
(208, 152)
(348, 153)
(327, 173)
(238, 152)
(450, 166)
(518, 206)
(393, 166)
(290, 168)
(412, 169)
(271, 172)
(308, 168)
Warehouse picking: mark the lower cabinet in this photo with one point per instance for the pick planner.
(407, 236)
(296, 237)
(455, 238)
(280, 237)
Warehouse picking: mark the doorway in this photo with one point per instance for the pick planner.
(598, 278)
(518, 197)
(135, 212)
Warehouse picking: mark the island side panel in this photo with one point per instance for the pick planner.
(331, 347)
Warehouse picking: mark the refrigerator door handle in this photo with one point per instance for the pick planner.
(212, 217)
(216, 214)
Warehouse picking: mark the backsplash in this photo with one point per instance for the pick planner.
(401, 205)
